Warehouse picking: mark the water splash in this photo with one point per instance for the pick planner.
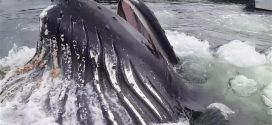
(241, 54)
(235, 63)
(17, 56)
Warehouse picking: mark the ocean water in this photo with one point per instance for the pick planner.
(221, 47)
(236, 74)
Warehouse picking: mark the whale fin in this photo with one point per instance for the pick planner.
(142, 19)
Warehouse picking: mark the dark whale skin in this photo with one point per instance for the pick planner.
(95, 36)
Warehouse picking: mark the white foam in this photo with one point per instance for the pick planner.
(70, 107)
(18, 110)
(185, 45)
(17, 56)
(95, 107)
(243, 86)
(27, 114)
(39, 102)
(241, 54)
(269, 55)
(235, 57)
(180, 122)
(225, 110)
(267, 97)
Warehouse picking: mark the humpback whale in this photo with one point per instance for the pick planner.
(121, 66)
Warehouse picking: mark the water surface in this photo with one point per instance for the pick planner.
(219, 45)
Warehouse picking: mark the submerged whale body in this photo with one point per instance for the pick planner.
(119, 69)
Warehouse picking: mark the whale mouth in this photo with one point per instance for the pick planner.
(139, 16)
(129, 12)
(133, 16)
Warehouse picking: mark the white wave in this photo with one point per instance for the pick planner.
(236, 52)
(225, 110)
(252, 70)
(269, 55)
(17, 56)
(243, 86)
(181, 122)
(185, 45)
(241, 54)
(24, 110)
(267, 98)
(39, 102)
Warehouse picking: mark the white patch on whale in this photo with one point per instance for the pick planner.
(130, 77)
(111, 62)
(44, 14)
(98, 88)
